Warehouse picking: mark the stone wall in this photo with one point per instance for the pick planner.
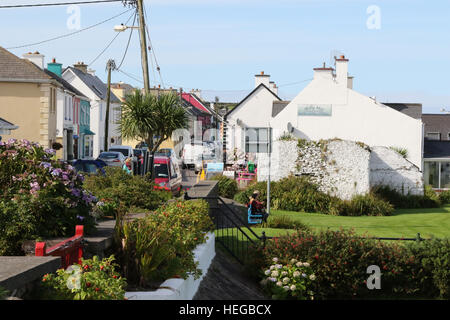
(341, 168)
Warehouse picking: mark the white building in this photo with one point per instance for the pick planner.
(92, 87)
(326, 108)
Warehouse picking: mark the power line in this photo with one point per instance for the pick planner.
(128, 44)
(68, 34)
(55, 4)
(292, 83)
(108, 45)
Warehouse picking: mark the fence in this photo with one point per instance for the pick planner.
(70, 250)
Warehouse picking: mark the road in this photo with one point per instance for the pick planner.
(189, 178)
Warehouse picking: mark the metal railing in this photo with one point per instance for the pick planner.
(232, 232)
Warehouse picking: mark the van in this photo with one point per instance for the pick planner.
(167, 174)
(127, 151)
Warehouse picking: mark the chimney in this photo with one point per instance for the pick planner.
(342, 70)
(197, 92)
(273, 87)
(81, 66)
(55, 67)
(262, 78)
(350, 82)
(36, 58)
(323, 72)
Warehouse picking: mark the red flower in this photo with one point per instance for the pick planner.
(97, 289)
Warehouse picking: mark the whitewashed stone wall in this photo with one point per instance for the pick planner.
(341, 168)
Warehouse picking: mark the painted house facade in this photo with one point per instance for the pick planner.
(28, 97)
(92, 87)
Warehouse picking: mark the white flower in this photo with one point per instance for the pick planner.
(286, 288)
(299, 264)
(312, 277)
(296, 274)
(306, 264)
(275, 259)
(286, 280)
(279, 283)
(284, 273)
(304, 275)
(279, 266)
(272, 279)
(293, 287)
(274, 274)
(272, 267)
(293, 261)
(267, 272)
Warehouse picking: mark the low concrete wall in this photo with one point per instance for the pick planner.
(206, 188)
(180, 289)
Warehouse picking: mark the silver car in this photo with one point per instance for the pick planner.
(113, 158)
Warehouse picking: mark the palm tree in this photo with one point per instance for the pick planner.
(145, 117)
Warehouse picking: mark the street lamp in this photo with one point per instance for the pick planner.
(122, 27)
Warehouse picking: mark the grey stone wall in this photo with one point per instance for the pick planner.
(341, 168)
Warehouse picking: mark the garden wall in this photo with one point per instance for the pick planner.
(341, 168)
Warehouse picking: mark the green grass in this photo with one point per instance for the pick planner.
(404, 223)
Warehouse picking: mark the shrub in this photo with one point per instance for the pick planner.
(244, 195)
(409, 201)
(433, 257)
(40, 197)
(227, 187)
(93, 279)
(444, 197)
(340, 260)
(3, 293)
(285, 222)
(116, 186)
(365, 205)
(160, 245)
(290, 281)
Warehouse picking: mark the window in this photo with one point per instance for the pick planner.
(433, 135)
(437, 174)
(257, 140)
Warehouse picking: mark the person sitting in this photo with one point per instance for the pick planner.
(257, 207)
(127, 166)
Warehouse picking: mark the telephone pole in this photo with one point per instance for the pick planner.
(144, 56)
(109, 65)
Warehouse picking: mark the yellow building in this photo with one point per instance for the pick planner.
(120, 90)
(28, 98)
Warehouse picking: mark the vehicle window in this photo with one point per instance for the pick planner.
(108, 155)
(122, 151)
(90, 168)
(161, 170)
(78, 167)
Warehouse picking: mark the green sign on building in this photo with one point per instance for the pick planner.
(314, 109)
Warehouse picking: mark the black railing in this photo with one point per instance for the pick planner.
(232, 232)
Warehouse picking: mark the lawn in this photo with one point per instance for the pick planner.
(404, 223)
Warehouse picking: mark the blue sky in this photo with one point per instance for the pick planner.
(218, 46)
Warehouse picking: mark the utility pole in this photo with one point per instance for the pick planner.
(144, 56)
(269, 147)
(109, 66)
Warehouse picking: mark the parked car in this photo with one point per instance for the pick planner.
(112, 158)
(89, 166)
(167, 174)
(169, 153)
(127, 151)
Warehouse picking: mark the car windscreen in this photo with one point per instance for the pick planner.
(108, 155)
(90, 167)
(161, 170)
(122, 151)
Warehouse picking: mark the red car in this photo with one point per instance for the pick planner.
(167, 174)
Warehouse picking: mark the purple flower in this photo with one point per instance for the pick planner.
(46, 164)
(56, 172)
(50, 151)
(81, 218)
(12, 140)
(76, 192)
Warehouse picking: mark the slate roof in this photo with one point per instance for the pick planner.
(14, 68)
(436, 149)
(95, 84)
(437, 123)
(65, 84)
(278, 106)
(7, 125)
(413, 110)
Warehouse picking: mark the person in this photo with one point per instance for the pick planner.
(127, 166)
(257, 207)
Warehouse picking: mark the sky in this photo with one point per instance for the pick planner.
(399, 50)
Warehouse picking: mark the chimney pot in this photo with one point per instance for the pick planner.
(262, 73)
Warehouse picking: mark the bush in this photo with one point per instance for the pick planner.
(40, 198)
(227, 187)
(340, 260)
(93, 279)
(285, 222)
(290, 281)
(116, 187)
(299, 194)
(160, 245)
(433, 257)
(444, 197)
(409, 201)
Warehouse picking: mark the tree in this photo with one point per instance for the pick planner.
(151, 119)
